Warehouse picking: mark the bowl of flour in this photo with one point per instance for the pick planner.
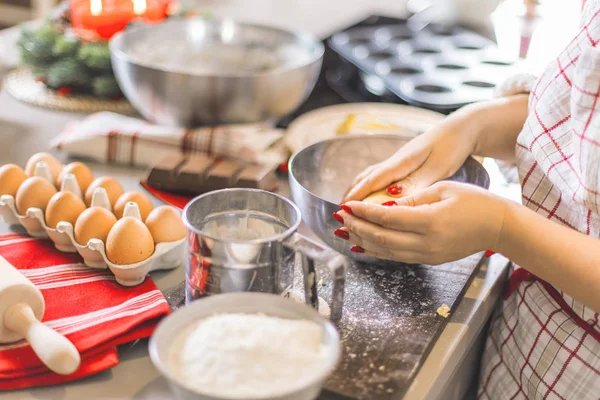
(245, 346)
(191, 72)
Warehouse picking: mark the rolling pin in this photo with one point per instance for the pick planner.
(21, 310)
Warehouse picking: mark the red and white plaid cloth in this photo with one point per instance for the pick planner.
(543, 344)
(87, 306)
(113, 138)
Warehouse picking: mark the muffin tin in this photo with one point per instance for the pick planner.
(437, 67)
(166, 255)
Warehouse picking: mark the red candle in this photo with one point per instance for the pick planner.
(101, 19)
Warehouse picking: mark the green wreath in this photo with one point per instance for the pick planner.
(64, 63)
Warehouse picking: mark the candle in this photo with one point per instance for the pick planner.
(101, 19)
(139, 7)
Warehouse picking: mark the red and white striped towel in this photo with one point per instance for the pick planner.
(86, 305)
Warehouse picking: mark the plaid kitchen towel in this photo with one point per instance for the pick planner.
(113, 138)
(86, 305)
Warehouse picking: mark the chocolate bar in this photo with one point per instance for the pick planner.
(256, 173)
(223, 175)
(192, 172)
(168, 171)
(201, 174)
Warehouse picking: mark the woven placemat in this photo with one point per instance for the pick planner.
(22, 85)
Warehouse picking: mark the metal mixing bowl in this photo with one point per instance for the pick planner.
(320, 175)
(161, 342)
(219, 93)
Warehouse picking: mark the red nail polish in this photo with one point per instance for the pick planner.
(489, 253)
(338, 217)
(342, 234)
(347, 209)
(389, 203)
(357, 249)
(394, 189)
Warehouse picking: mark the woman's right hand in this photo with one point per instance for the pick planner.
(488, 129)
(428, 158)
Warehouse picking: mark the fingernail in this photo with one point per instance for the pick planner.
(389, 203)
(489, 253)
(347, 209)
(394, 189)
(338, 217)
(357, 249)
(342, 234)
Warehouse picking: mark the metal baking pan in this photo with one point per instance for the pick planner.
(437, 67)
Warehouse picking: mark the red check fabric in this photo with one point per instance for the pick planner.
(86, 305)
(542, 343)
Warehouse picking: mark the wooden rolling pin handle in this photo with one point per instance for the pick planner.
(55, 350)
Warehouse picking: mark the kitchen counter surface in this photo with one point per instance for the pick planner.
(25, 130)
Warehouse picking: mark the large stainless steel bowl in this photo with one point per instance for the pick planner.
(182, 95)
(320, 175)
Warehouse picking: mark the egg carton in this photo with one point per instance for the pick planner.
(166, 256)
(438, 67)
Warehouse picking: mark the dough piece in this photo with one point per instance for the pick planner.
(379, 197)
(444, 310)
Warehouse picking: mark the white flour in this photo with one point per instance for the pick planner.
(210, 58)
(249, 356)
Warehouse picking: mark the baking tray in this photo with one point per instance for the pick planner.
(437, 67)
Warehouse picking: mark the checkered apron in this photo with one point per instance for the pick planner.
(542, 343)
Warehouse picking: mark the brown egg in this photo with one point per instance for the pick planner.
(34, 192)
(129, 242)
(53, 164)
(11, 177)
(94, 223)
(141, 199)
(84, 175)
(63, 206)
(165, 224)
(112, 186)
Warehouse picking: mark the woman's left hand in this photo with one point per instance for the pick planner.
(445, 222)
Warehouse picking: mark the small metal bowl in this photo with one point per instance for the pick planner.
(249, 303)
(223, 83)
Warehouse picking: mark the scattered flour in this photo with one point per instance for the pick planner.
(249, 356)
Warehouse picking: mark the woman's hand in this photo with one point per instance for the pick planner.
(445, 222)
(488, 129)
(426, 159)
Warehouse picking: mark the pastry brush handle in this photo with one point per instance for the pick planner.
(56, 351)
